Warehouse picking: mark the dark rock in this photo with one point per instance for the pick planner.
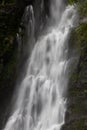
(76, 115)
(11, 13)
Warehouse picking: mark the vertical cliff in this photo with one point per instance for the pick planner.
(76, 115)
(11, 13)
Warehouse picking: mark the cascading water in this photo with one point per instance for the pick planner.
(41, 104)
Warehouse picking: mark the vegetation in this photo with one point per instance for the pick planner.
(82, 9)
(82, 6)
(77, 108)
(81, 33)
(72, 1)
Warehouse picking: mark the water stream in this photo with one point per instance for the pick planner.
(41, 104)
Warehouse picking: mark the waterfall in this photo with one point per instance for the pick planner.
(41, 104)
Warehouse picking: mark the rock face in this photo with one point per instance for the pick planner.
(8, 53)
(11, 13)
(76, 115)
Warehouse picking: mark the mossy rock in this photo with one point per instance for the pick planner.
(72, 1)
(76, 124)
(77, 92)
(81, 7)
(81, 40)
(75, 1)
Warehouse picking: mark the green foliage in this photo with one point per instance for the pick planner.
(82, 9)
(82, 6)
(78, 84)
(76, 1)
(72, 1)
(79, 39)
(81, 33)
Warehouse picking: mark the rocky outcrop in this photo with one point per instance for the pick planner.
(76, 115)
(8, 54)
(11, 13)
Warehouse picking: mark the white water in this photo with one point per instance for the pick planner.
(40, 104)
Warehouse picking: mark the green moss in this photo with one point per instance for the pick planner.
(80, 124)
(81, 5)
(81, 33)
(72, 1)
(78, 87)
(79, 38)
(82, 9)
